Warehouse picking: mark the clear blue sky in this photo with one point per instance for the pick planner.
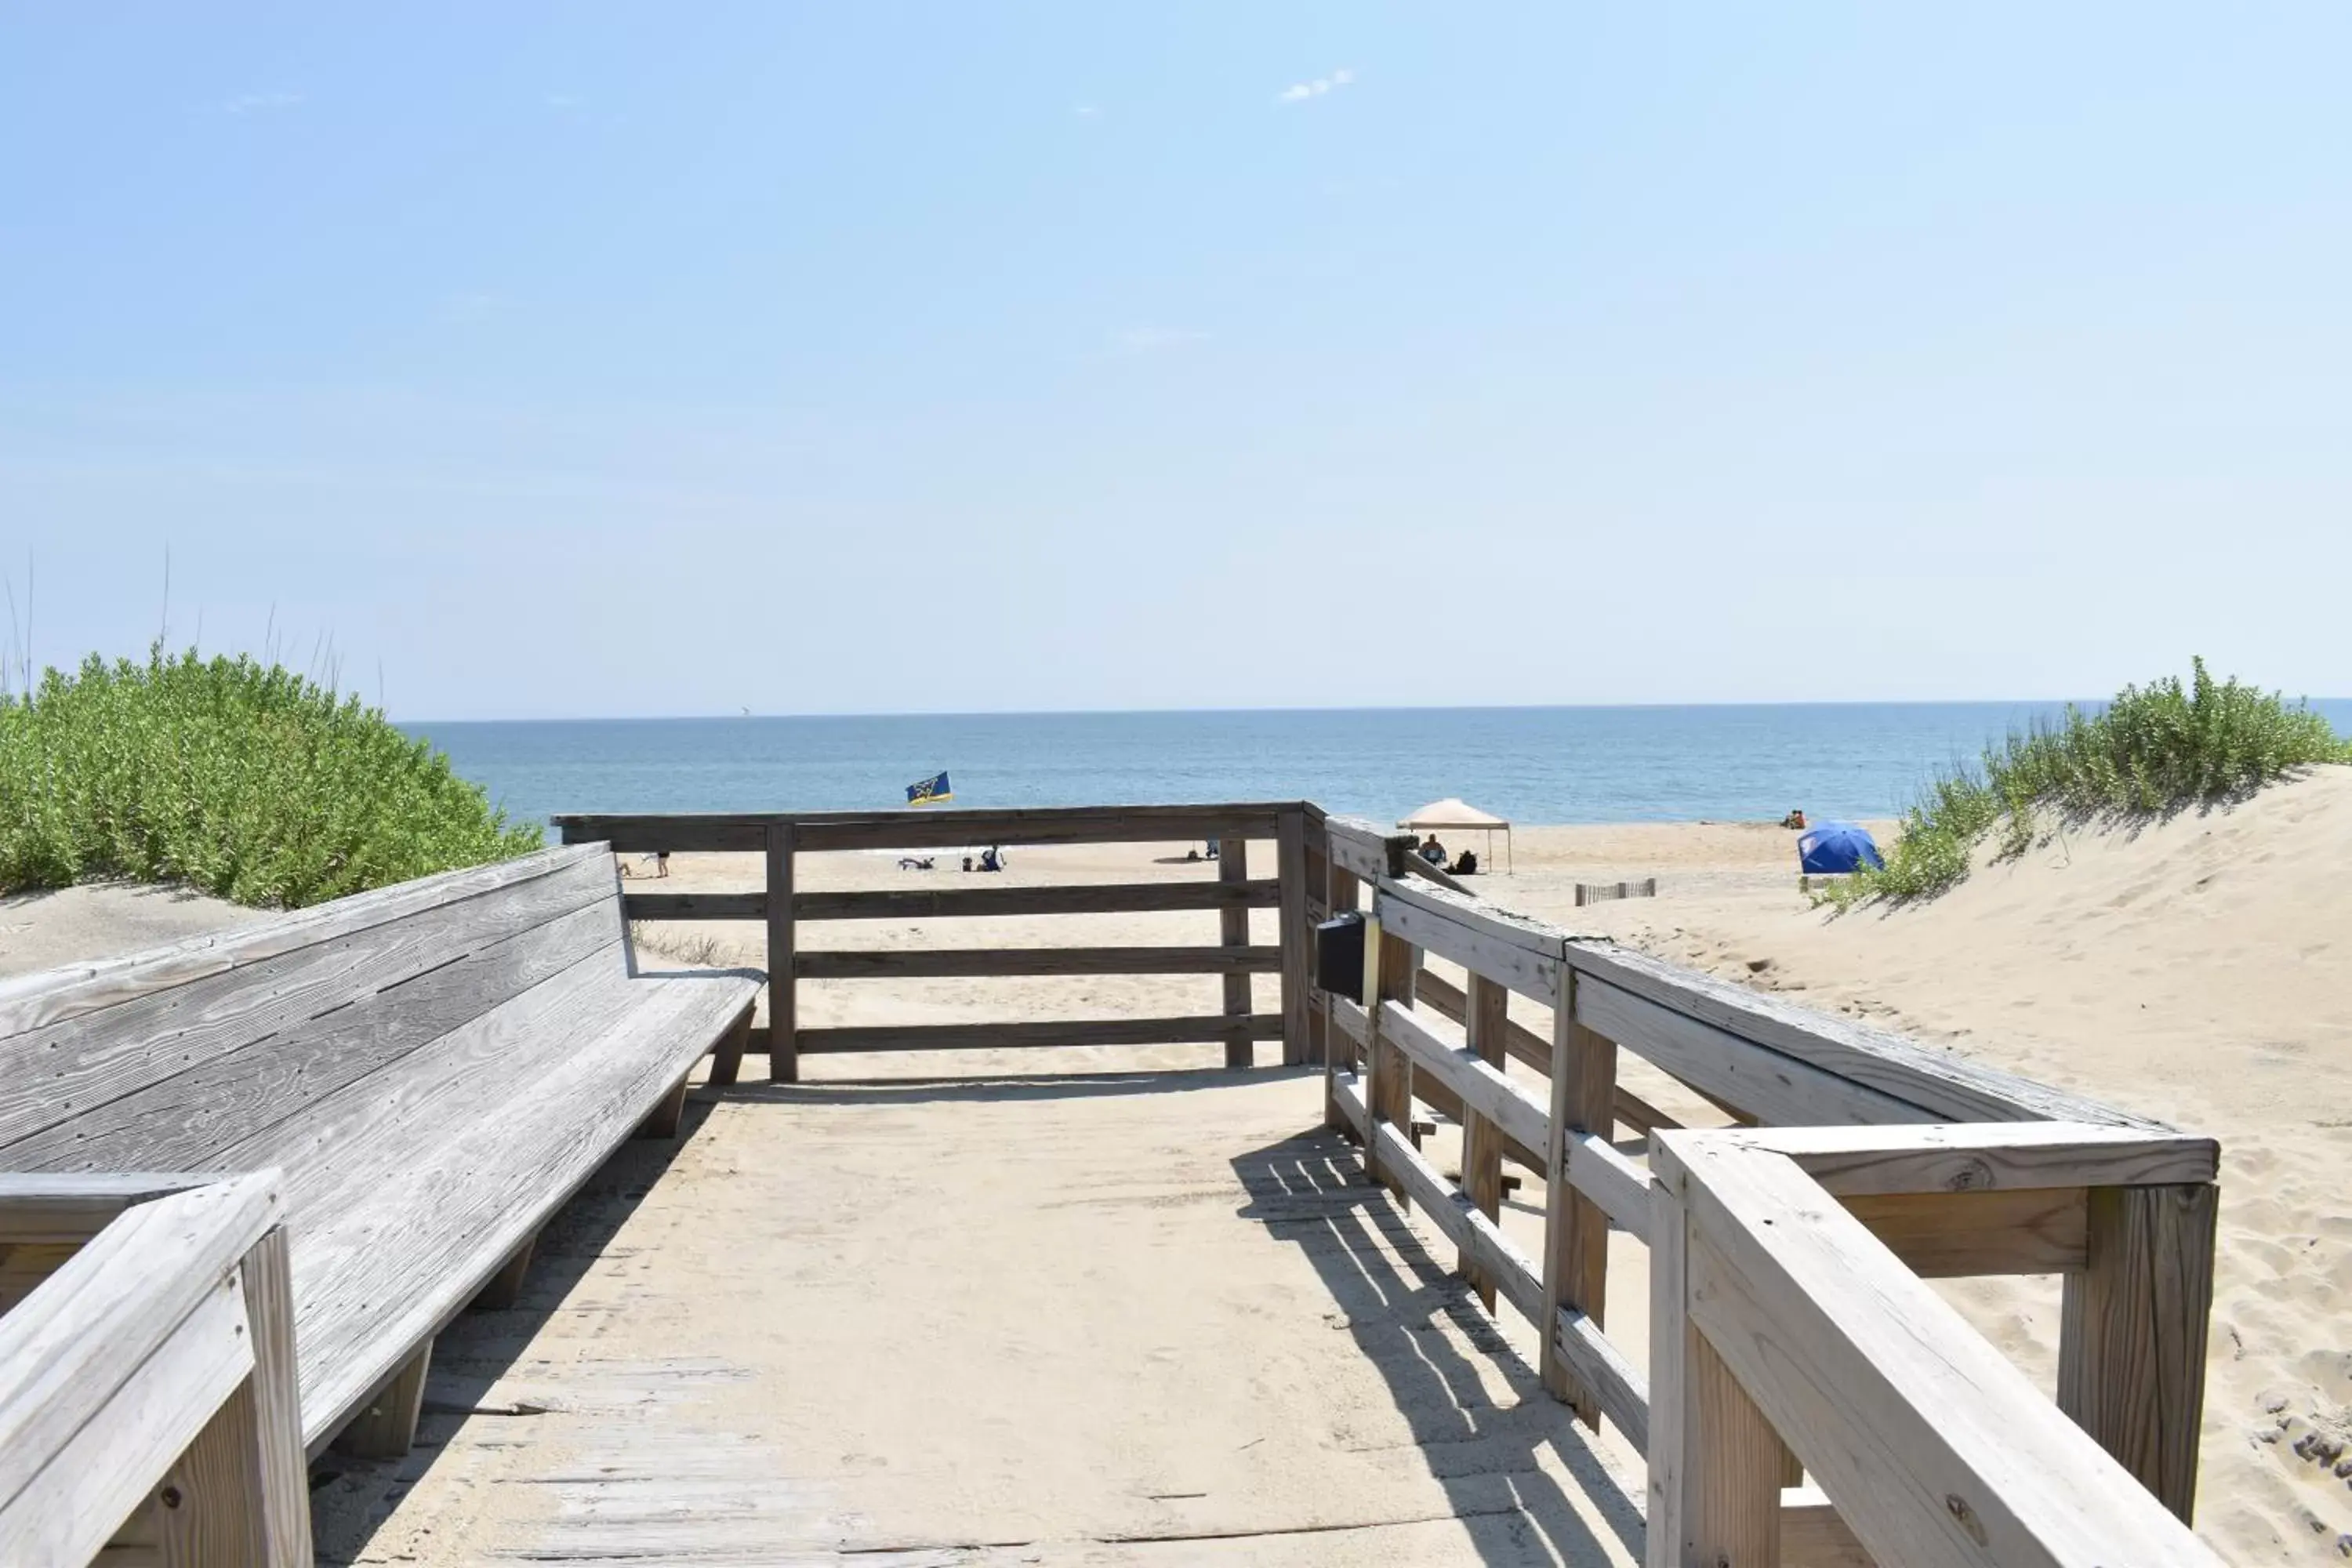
(592, 359)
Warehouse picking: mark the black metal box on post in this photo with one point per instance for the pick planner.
(1339, 955)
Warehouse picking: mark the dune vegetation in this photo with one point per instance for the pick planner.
(244, 779)
(2154, 751)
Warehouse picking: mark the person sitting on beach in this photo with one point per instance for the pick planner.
(1433, 851)
(992, 859)
(1467, 864)
(1795, 819)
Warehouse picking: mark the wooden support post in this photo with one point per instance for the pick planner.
(1671, 1416)
(783, 1052)
(1318, 910)
(1388, 1089)
(385, 1426)
(1341, 1054)
(505, 1287)
(211, 1507)
(1482, 1141)
(1290, 870)
(1576, 1230)
(2131, 1341)
(284, 1474)
(726, 1057)
(1737, 1460)
(1232, 931)
(664, 1119)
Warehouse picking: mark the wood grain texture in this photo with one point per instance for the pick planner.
(1521, 953)
(1576, 1229)
(1814, 1535)
(1672, 1419)
(2131, 1334)
(284, 1479)
(1212, 1026)
(1388, 1076)
(212, 1512)
(1482, 1141)
(1436, 1050)
(1365, 850)
(1290, 871)
(2020, 1230)
(780, 843)
(1983, 1156)
(1602, 1367)
(1613, 1184)
(1737, 1460)
(1233, 930)
(993, 902)
(726, 1057)
(978, 961)
(1530, 1049)
(667, 1114)
(1343, 1021)
(49, 1207)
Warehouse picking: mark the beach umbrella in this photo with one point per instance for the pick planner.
(1837, 848)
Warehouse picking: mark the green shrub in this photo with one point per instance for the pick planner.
(246, 781)
(2155, 750)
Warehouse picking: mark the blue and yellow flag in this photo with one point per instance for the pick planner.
(930, 791)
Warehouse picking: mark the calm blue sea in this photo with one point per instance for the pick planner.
(1531, 764)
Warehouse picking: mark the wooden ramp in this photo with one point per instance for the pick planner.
(1155, 1318)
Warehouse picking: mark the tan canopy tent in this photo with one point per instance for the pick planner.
(1453, 815)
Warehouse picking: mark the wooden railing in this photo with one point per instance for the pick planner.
(2124, 1208)
(780, 839)
(148, 1407)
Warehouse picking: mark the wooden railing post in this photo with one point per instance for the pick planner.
(2131, 1342)
(1576, 1230)
(1387, 1071)
(783, 1053)
(1341, 894)
(1290, 869)
(1486, 1013)
(1318, 910)
(1233, 930)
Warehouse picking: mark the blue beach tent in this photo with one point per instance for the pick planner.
(1837, 848)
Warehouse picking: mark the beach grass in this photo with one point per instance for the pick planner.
(2154, 751)
(243, 780)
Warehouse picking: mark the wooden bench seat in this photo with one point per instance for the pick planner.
(435, 1067)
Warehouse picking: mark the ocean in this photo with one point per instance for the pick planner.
(1531, 764)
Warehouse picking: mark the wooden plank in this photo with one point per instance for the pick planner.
(1576, 1229)
(1233, 930)
(504, 1289)
(1344, 1023)
(1522, 955)
(1387, 1070)
(1349, 1104)
(49, 1207)
(1479, 1087)
(33, 1002)
(284, 987)
(1212, 1028)
(1738, 1461)
(1532, 1049)
(1365, 851)
(1984, 1156)
(1431, 1090)
(283, 1477)
(1949, 1087)
(665, 1119)
(1666, 1453)
(133, 1414)
(1451, 1211)
(932, 829)
(977, 962)
(1813, 1535)
(1935, 1446)
(691, 833)
(694, 906)
(1090, 898)
(212, 1512)
(783, 1016)
(1482, 1141)
(1318, 910)
(1763, 1082)
(384, 1428)
(185, 1119)
(2020, 1230)
(726, 1057)
(1290, 870)
(2131, 1347)
(67, 1348)
(1617, 1186)
(1600, 1366)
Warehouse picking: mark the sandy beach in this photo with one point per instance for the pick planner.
(2197, 971)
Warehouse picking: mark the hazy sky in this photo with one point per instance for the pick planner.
(592, 359)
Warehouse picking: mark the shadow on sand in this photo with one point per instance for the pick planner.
(1411, 1318)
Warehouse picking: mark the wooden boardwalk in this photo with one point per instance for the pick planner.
(1155, 1318)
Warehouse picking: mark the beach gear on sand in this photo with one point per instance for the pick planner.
(1835, 848)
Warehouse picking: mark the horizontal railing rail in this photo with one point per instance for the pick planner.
(148, 1407)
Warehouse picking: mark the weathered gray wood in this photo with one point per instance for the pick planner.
(1365, 851)
(39, 1209)
(158, 1033)
(282, 1477)
(667, 1115)
(1318, 910)
(1290, 870)
(212, 1507)
(2131, 1347)
(504, 1290)
(1081, 899)
(185, 1120)
(1752, 1077)
(694, 906)
(1521, 953)
(1985, 1157)
(2011, 1230)
(1666, 1454)
(1737, 1459)
(1349, 1104)
(1343, 1034)
(384, 1428)
(1388, 1072)
(1482, 1141)
(1524, 1045)
(909, 963)
(1617, 1186)
(1478, 1087)
(727, 1056)
(1233, 930)
(1598, 1364)
(1813, 1535)
(1576, 1228)
(929, 828)
(1213, 1027)
(782, 843)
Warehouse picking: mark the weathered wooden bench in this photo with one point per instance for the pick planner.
(435, 1067)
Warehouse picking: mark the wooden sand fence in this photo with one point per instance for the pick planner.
(1811, 1400)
